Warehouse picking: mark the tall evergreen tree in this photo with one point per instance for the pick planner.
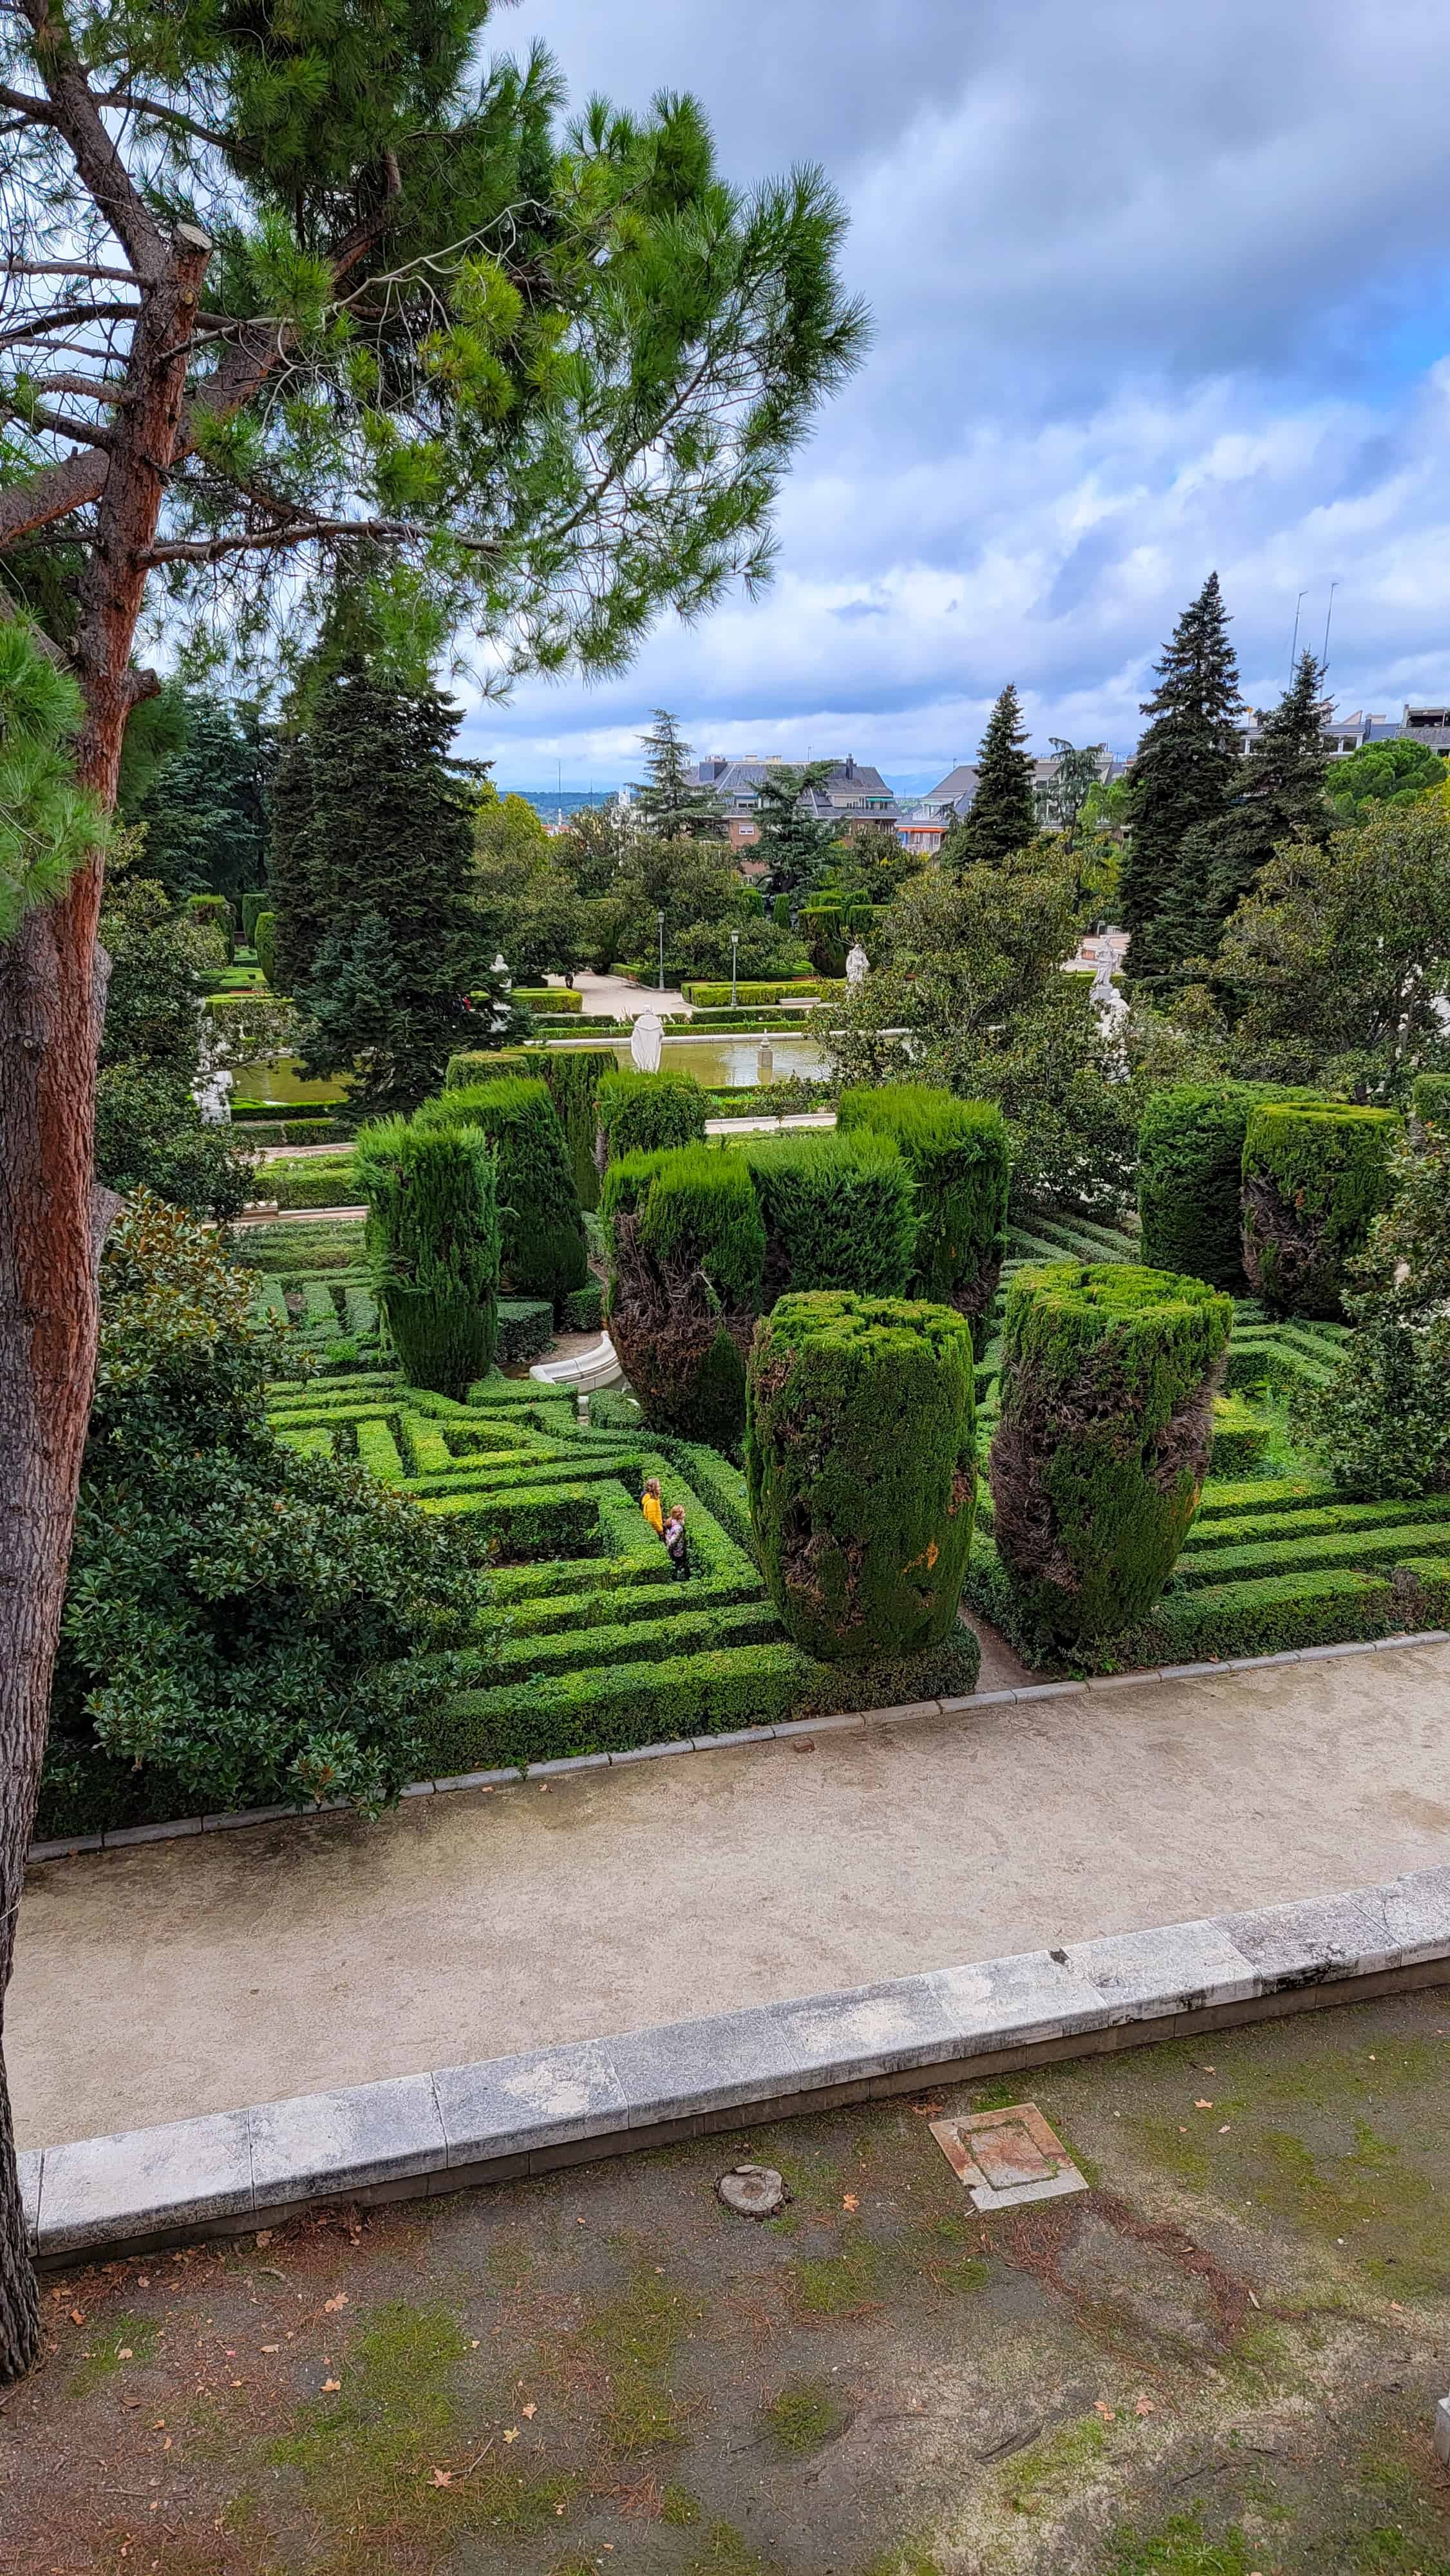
(205, 810)
(671, 803)
(794, 842)
(382, 858)
(1278, 795)
(1002, 817)
(1183, 774)
(299, 919)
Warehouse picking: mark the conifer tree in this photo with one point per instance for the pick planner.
(794, 842)
(299, 924)
(1278, 795)
(671, 804)
(1183, 773)
(1001, 817)
(205, 810)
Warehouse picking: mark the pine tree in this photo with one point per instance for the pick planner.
(795, 843)
(299, 923)
(1278, 795)
(1002, 816)
(671, 804)
(383, 864)
(205, 810)
(1183, 773)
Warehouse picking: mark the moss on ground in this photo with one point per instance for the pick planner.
(802, 2417)
(126, 2340)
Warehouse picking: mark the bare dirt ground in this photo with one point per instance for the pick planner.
(1223, 2358)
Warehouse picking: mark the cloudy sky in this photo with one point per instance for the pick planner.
(1154, 291)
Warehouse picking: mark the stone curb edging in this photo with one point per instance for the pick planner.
(511, 1775)
(497, 2120)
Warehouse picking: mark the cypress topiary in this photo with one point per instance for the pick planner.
(574, 1075)
(1108, 1379)
(1314, 1179)
(644, 1113)
(687, 1248)
(958, 1156)
(474, 1066)
(252, 904)
(264, 941)
(433, 1244)
(860, 1466)
(543, 1238)
(839, 1212)
(1190, 1176)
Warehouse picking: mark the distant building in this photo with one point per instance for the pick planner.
(1345, 734)
(852, 791)
(925, 825)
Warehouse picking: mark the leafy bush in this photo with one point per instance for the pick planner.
(322, 1181)
(563, 1001)
(957, 1154)
(213, 912)
(239, 1622)
(1190, 1176)
(1381, 1422)
(1107, 1383)
(838, 1210)
(1430, 1099)
(1314, 1179)
(264, 943)
(644, 1113)
(433, 1247)
(543, 1240)
(687, 1250)
(860, 1462)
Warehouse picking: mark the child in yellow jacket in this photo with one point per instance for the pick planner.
(651, 1507)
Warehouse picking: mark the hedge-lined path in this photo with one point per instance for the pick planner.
(206, 1973)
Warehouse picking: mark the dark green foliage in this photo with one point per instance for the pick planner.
(237, 1619)
(957, 1153)
(574, 1075)
(1107, 1383)
(839, 1212)
(1314, 1181)
(525, 1330)
(1277, 795)
(1384, 773)
(205, 808)
(1431, 1099)
(433, 1247)
(213, 912)
(1001, 816)
(780, 911)
(1183, 773)
(860, 1462)
(584, 1309)
(322, 1181)
(296, 887)
(543, 1239)
(642, 1113)
(1190, 1176)
(669, 802)
(794, 842)
(264, 941)
(149, 1131)
(251, 905)
(1381, 1422)
(1240, 1437)
(687, 1251)
(474, 1066)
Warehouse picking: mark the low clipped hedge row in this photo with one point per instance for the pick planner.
(560, 1000)
(717, 997)
(319, 1183)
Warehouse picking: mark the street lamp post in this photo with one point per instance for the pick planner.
(660, 920)
(734, 966)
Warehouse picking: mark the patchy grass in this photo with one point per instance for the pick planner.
(1180, 2547)
(839, 2285)
(127, 2341)
(803, 2416)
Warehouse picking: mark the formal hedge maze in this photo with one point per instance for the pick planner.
(603, 1647)
(1275, 1559)
(315, 1278)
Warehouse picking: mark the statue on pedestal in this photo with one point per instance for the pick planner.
(646, 1042)
(858, 966)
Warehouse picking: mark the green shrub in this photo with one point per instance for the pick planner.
(860, 1460)
(558, 1000)
(213, 912)
(584, 1309)
(957, 1153)
(1190, 1176)
(716, 997)
(433, 1247)
(645, 1113)
(838, 1210)
(1240, 1437)
(477, 1064)
(574, 1075)
(687, 1250)
(321, 1182)
(264, 941)
(1107, 1380)
(252, 906)
(1315, 1178)
(1430, 1099)
(543, 1239)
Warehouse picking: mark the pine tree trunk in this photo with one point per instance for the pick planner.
(53, 1220)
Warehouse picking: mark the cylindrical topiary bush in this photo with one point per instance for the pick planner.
(543, 1236)
(839, 1212)
(958, 1156)
(264, 942)
(647, 1113)
(686, 1252)
(1190, 1175)
(1108, 1378)
(861, 1470)
(252, 904)
(433, 1247)
(1314, 1180)
(574, 1075)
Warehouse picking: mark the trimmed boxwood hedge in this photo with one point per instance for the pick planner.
(433, 1247)
(1240, 1437)
(958, 1155)
(584, 1309)
(320, 1182)
(1314, 1178)
(643, 1113)
(716, 997)
(687, 1250)
(860, 1460)
(543, 1238)
(560, 1000)
(1190, 1176)
(1107, 1380)
(838, 1208)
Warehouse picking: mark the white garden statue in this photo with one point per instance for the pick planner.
(858, 966)
(646, 1044)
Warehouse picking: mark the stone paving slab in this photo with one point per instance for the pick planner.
(493, 2120)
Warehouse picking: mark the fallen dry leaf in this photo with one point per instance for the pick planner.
(1223, 2132)
(338, 2300)
(123, 2352)
(1145, 2406)
(850, 2201)
(1105, 2410)
(271, 2347)
(443, 2477)
(1203, 2106)
(330, 2387)
(530, 2410)
(77, 2316)
(512, 2434)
